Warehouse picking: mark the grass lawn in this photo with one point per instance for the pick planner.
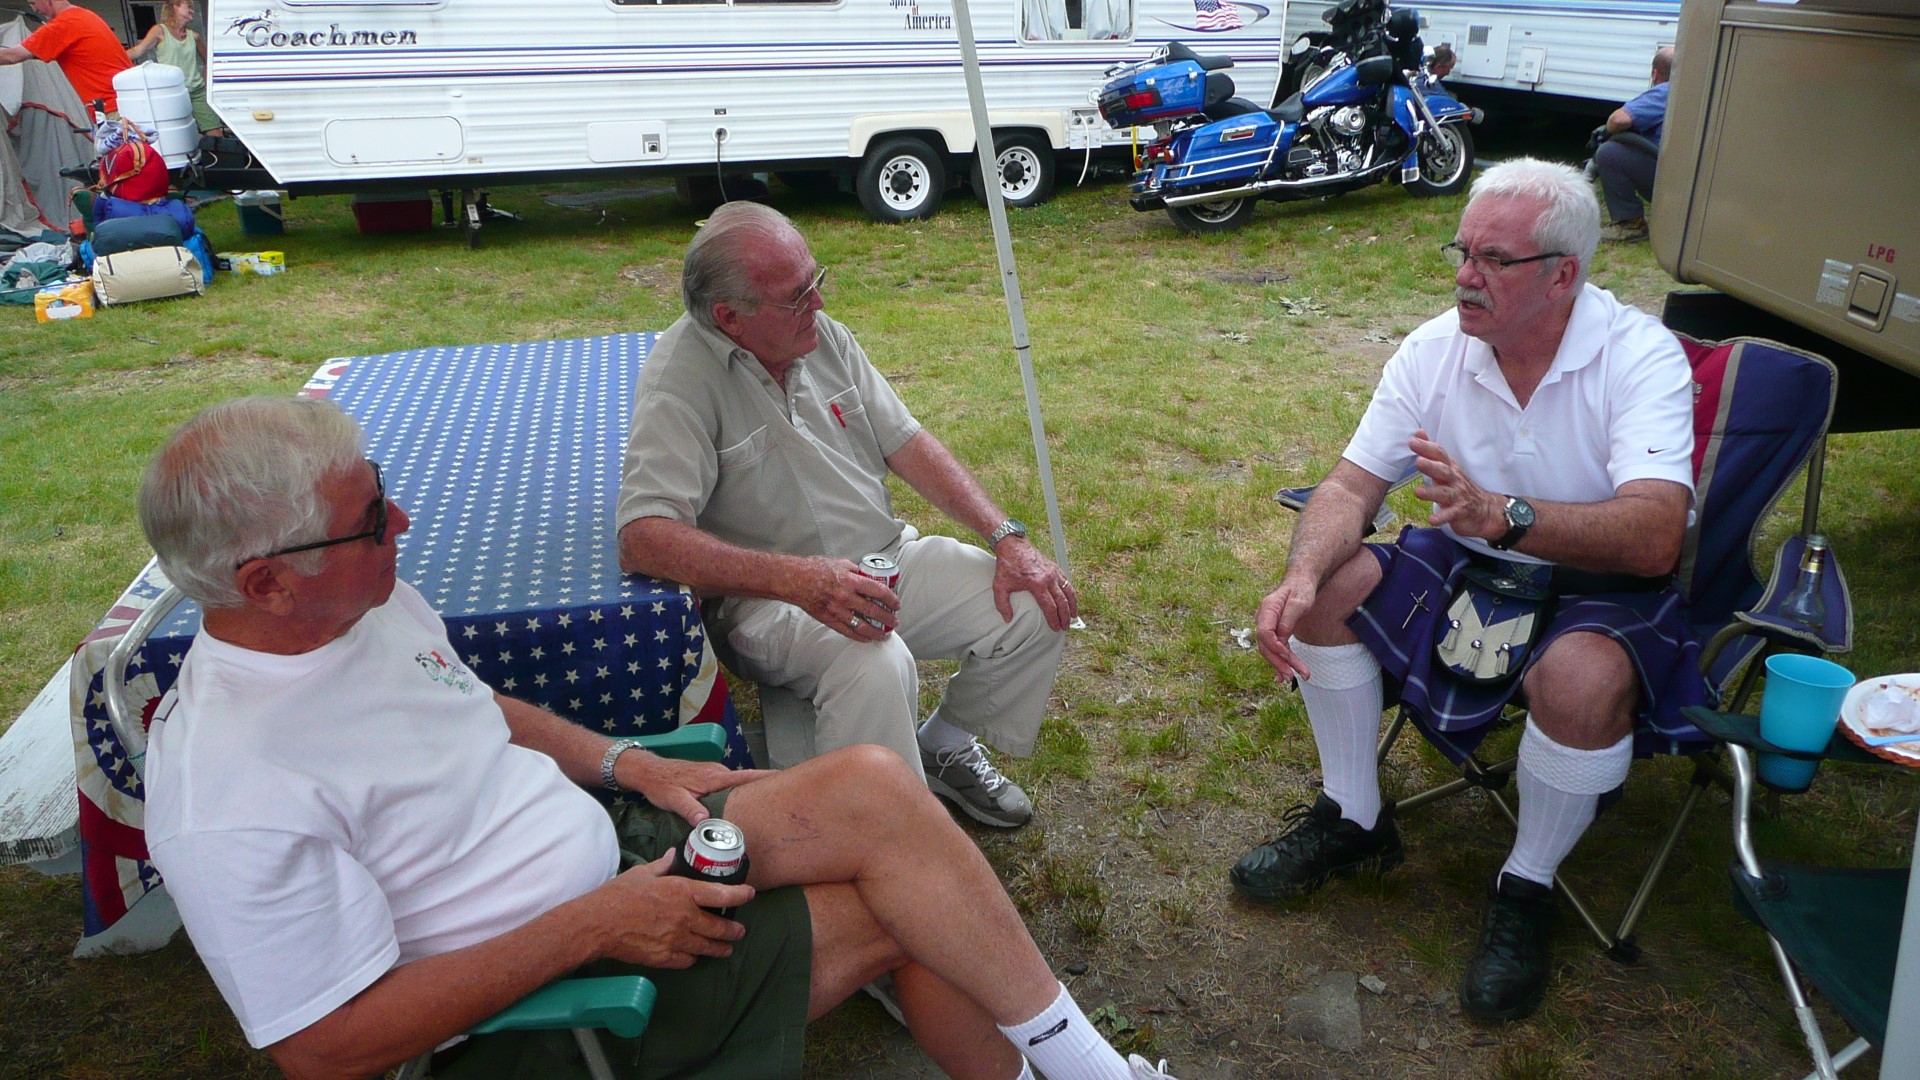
(1184, 380)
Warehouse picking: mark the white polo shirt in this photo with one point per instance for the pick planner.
(1616, 405)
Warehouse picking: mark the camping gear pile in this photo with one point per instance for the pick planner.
(144, 243)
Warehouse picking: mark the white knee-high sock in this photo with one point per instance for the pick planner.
(1065, 1044)
(1343, 705)
(1560, 789)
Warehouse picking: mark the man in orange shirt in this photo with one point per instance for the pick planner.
(82, 44)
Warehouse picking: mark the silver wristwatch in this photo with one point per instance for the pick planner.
(1009, 527)
(609, 759)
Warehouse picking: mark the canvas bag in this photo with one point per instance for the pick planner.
(147, 274)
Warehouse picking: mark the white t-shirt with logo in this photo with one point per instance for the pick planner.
(322, 818)
(1616, 405)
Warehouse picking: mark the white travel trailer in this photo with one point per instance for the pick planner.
(1568, 52)
(359, 95)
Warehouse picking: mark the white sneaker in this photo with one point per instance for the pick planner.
(1147, 1070)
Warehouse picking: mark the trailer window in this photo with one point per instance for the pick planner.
(1076, 20)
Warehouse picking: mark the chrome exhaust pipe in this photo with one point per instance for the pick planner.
(1261, 187)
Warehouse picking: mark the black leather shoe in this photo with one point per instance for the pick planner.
(1507, 977)
(1316, 844)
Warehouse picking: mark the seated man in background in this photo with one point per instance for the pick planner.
(1552, 429)
(1440, 64)
(1626, 166)
(756, 474)
(373, 851)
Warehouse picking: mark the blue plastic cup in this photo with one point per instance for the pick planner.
(1798, 712)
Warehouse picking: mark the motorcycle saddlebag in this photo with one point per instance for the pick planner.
(1235, 149)
(147, 274)
(1141, 97)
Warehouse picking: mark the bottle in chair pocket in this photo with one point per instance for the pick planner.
(715, 850)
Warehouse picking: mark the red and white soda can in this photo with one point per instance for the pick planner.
(882, 569)
(716, 850)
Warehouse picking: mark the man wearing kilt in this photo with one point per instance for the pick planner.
(1552, 429)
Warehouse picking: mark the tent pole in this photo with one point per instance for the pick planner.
(1009, 275)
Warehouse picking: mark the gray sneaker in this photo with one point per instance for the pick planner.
(1146, 1070)
(963, 776)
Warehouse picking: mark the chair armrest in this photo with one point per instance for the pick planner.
(621, 1004)
(1741, 730)
(693, 742)
(1295, 499)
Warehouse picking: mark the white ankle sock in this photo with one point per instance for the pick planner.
(937, 734)
(1343, 705)
(1560, 789)
(1064, 1043)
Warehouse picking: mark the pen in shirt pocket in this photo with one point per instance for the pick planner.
(836, 414)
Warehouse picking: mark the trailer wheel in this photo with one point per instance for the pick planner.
(1027, 170)
(901, 180)
(1222, 215)
(1446, 161)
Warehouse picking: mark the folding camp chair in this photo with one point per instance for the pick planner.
(1836, 929)
(620, 1004)
(1760, 416)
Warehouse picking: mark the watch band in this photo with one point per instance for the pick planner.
(1009, 527)
(609, 759)
(1520, 515)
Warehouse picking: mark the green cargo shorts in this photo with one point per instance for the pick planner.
(736, 1018)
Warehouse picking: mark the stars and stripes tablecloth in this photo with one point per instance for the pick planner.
(507, 458)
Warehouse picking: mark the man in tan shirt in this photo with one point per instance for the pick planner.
(755, 473)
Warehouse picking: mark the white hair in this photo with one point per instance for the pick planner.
(241, 479)
(1571, 221)
(715, 270)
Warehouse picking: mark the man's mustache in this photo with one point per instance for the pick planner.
(1465, 295)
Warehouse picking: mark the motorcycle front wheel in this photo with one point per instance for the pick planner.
(1221, 215)
(1446, 161)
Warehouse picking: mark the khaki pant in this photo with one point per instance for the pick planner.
(869, 692)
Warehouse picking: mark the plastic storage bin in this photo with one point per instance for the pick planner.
(260, 213)
(394, 212)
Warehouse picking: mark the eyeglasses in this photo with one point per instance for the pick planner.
(1458, 256)
(806, 296)
(377, 534)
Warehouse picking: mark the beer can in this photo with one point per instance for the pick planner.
(882, 569)
(716, 850)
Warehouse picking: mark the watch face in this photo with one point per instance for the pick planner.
(1016, 527)
(1519, 513)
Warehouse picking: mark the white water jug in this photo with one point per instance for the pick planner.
(154, 97)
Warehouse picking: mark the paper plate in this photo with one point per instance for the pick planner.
(1853, 717)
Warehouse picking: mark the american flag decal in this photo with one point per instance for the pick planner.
(1216, 15)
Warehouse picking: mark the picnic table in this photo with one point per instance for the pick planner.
(507, 458)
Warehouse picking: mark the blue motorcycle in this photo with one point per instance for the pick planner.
(1367, 119)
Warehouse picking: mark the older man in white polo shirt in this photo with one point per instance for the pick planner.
(756, 474)
(1552, 428)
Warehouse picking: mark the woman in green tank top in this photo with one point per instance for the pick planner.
(172, 44)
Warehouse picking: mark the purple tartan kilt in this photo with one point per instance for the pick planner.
(1652, 627)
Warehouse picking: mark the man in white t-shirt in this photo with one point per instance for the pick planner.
(1552, 429)
(373, 851)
